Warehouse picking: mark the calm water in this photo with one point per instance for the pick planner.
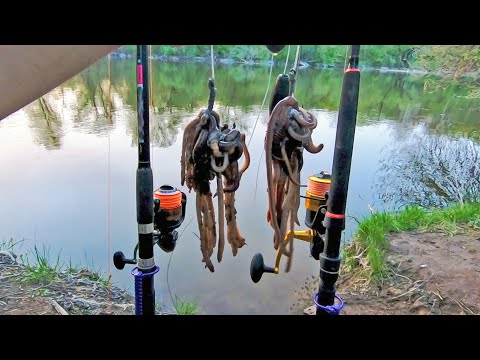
(410, 146)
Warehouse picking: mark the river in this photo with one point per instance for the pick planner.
(57, 154)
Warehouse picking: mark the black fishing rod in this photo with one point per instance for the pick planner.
(335, 216)
(146, 268)
(159, 213)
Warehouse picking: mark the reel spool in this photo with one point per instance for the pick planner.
(167, 202)
(316, 206)
(169, 205)
(316, 200)
(169, 213)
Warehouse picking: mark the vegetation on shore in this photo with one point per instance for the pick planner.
(451, 62)
(375, 56)
(38, 268)
(369, 246)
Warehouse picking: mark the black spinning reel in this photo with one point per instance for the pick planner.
(169, 206)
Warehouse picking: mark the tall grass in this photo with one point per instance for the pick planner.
(10, 244)
(185, 307)
(371, 243)
(42, 270)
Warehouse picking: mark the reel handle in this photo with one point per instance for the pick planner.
(119, 260)
(257, 268)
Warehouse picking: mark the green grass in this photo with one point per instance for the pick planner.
(10, 244)
(72, 269)
(95, 274)
(370, 242)
(185, 307)
(42, 270)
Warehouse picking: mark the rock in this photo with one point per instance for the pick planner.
(392, 261)
(311, 310)
(419, 309)
(393, 291)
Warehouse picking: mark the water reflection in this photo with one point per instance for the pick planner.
(164, 128)
(93, 103)
(46, 123)
(69, 159)
(430, 171)
(181, 88)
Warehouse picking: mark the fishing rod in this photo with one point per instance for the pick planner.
(326, 195)
(159, 213)
(334, 221)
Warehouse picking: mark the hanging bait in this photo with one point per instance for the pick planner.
(212, 151)
(289, 132)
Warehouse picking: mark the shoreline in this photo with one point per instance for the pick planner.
(411, 262)
(414, 283)
(47, 288)
(37, 290)
(124, 55)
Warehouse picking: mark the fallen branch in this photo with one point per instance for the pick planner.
(59, 309)
(438, 294)
(9, 276)
(400, 275)
(464, 307)
(405, 293)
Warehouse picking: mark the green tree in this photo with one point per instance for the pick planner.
(457, 64)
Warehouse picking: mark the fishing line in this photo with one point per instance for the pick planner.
(346, 55)
(211, 60)
(286, 60)
(108, 182)
(170, 260)
(260, 111)
(263, 150)
(258, 171)
(261, 108)
(295, 66)
(264, 98)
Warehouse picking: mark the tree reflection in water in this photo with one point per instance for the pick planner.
(430, 171)
(45, 123)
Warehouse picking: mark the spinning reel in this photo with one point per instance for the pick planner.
(169, 205)
(316, 203)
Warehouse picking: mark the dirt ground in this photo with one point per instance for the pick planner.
(431, 274)
(68, 294)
